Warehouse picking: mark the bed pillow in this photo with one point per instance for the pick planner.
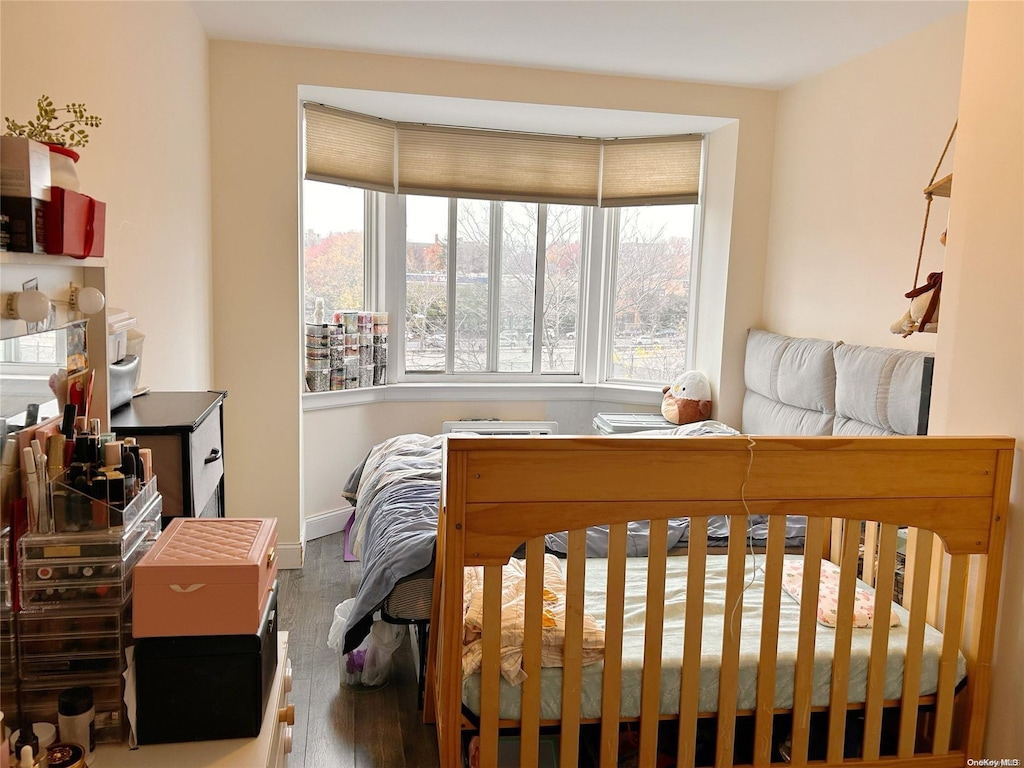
(790, 385)
(828, 595)
(881, 391)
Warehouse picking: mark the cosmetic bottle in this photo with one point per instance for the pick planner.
(76, 718)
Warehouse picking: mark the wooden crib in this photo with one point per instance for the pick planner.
(951, 492)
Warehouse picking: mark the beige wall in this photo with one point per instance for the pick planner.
(979, 384)
(854, 148)
(255, 164)
(143, 68)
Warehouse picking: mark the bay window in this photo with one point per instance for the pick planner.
(496, 284)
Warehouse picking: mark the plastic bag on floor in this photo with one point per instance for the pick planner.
(383, 641)
(371, 663)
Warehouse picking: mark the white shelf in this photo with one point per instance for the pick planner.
(49, 260)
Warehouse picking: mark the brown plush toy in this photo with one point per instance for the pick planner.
(688, 399)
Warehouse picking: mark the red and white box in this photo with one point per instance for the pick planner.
(206, 577)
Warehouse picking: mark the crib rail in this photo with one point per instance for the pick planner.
(857, 493)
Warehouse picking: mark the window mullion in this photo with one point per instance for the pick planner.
(610, 232)
(589, 320)
(494, 284)
(395, 288)
(453, 233)
(373, 243)
(538, 289)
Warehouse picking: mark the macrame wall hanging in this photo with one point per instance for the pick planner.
(922, 315)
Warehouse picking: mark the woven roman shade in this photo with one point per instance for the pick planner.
(660, 170)
(497, 165)
(411, 158)
(349, 148)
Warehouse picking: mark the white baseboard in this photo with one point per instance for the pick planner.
(290, 555)
(326, 523)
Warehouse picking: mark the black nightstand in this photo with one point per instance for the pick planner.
(185, 431)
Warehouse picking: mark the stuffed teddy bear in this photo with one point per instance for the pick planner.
(688, 399)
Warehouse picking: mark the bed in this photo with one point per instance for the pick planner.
(856, 399)
(951, 492)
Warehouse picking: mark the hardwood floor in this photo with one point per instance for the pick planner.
(335, 726)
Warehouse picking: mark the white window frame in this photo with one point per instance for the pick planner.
(384, 289)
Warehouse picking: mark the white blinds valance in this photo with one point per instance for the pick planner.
(409, 158)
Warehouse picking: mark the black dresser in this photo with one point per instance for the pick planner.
(185, 431)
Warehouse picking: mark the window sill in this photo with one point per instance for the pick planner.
(614, 393)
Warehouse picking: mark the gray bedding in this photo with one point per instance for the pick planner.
(396, 491)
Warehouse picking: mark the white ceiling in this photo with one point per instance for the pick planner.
(756, 43)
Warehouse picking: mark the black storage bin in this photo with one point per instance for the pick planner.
(203, 688)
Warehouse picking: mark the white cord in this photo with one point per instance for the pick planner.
(750, 541)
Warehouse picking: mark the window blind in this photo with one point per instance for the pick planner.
(659, 170)
(349, 148)
(408, 158)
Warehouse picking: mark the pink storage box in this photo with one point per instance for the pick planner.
(206, 577)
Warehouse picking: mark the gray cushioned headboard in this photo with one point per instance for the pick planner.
(816, 387)
(882, 391)
(790, 383)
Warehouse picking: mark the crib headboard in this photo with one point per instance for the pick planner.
(805, 386)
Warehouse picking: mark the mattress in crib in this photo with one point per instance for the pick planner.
(711, 648)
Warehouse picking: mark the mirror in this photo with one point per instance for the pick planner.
(26, 365)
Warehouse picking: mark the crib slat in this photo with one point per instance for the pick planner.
(843, 637)
(650, 686)
(915, 638)
(951, 630)
(689, 677)
(804, 673)
(836, 543)
(936, 578)
(572, 657)
(870, 552)
(728, 678)
(611, 683)
(879, 641)
(490, 674)
(768, 658)
(908, 568)
(529, 738)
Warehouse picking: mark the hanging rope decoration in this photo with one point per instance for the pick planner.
(924, 298)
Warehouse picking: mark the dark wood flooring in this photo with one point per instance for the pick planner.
(335, 726)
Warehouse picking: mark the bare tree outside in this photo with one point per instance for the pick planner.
(426, 283)
(652, 293)
(652, 289)
(563, 264)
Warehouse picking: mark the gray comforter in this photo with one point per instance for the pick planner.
(396, 491)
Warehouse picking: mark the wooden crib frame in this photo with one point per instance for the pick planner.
(952, 492)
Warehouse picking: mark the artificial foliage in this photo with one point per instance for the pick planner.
(51, 125)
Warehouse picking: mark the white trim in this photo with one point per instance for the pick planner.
(505, 392)
(290, 556)
(325, 523)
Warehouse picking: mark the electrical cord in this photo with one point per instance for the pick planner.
(754, 568)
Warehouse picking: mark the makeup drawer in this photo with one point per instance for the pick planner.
(185, 431)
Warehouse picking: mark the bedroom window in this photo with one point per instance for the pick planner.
(334, 247)
(505, 256)
(651, 251)
(511, 310)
